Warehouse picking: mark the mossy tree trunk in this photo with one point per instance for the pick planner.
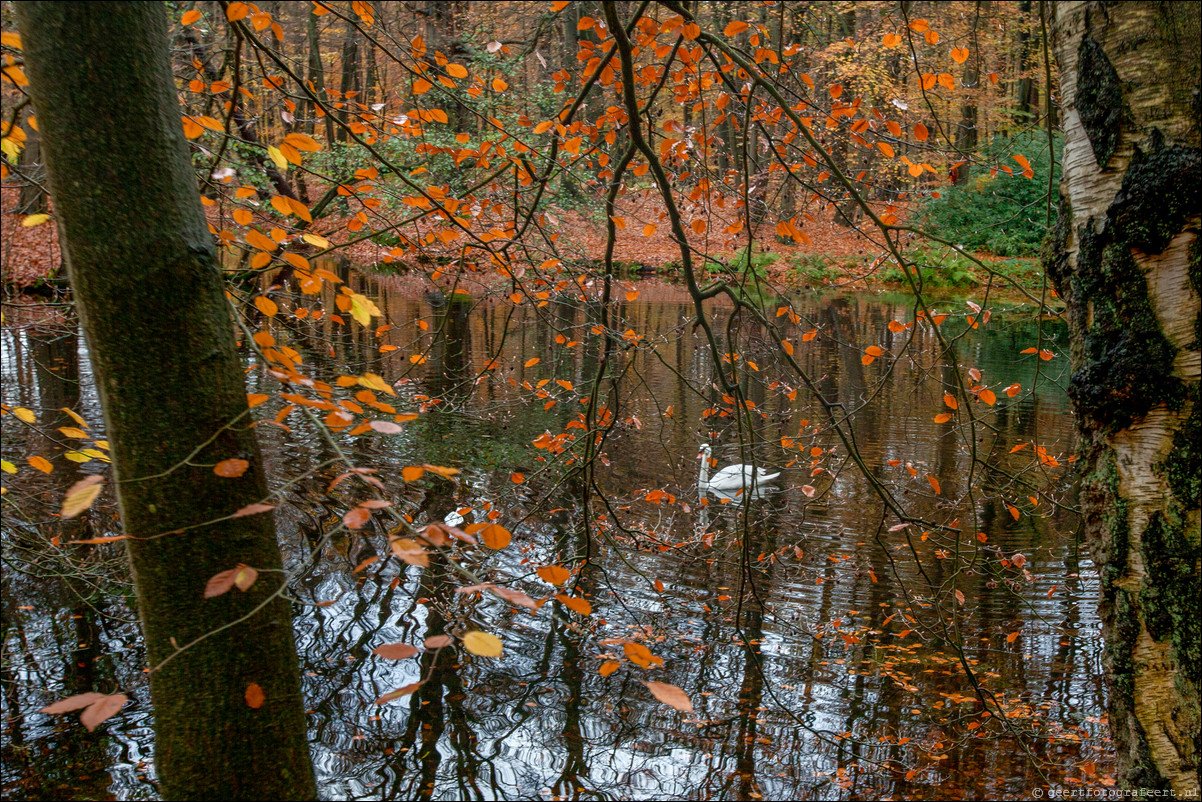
(143, 268)
(1125, 258)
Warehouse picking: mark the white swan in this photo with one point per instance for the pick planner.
(730, 479)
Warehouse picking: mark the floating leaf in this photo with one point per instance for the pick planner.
(482, 644)
(670, 695)
(396, 651)
(639, 654)
(608, 667)
(398, 693)
(438, 641)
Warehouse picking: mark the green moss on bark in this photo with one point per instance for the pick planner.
(1183, 466)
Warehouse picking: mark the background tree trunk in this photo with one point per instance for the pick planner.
(143, 269)
(1126, 259)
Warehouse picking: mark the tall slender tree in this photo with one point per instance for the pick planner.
(229, 720)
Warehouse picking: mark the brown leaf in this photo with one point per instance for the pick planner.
(220, 583)
(76, 702)
(438, 641)
(398, 693)
(102, 710)
(253, 509)
(231, 468)
(396, 651)
(670, 695)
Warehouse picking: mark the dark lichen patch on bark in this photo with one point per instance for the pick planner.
(1161, 187)
(1169, 593)
(1099, 99)
(1126, 364)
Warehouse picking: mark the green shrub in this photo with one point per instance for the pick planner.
(1004, 215)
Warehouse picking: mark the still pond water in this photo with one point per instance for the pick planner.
(799, 625)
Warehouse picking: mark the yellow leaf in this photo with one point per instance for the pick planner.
(482, 644)
(362, 309)
(277, 157)
(77, 456)
(315, 240)
(25, 414)
(71, 431)
(7, 466)
(34, 220)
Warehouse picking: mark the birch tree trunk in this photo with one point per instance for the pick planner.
(143, 270)
(1126, 259)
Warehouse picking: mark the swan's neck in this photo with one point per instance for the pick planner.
(704, 477)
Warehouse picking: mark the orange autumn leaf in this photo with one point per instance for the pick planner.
(553, 574)
(254, 696)
(575, 604)
(412, 473)
(231, 468)
(495, 536)
(266, 306)
(735, 28)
